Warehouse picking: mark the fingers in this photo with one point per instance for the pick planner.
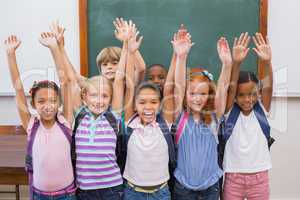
(255, 41)
(260, 38)
(256, 51)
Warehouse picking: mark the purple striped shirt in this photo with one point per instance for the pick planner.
(96, 165)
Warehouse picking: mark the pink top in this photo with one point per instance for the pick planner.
(52, 166)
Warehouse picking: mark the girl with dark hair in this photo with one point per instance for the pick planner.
(247, 131)
(49, 133)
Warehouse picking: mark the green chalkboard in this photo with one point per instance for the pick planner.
(157, 20)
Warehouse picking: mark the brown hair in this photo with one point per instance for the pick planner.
(44, 84)
(195, 74)
(108, 54)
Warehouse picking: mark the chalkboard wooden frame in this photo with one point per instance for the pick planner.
(83, 28)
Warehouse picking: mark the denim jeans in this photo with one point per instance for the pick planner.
(37, 196)
(113, 193)
(162, 194)
(183, 193)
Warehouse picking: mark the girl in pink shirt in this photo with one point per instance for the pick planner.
(48, 158)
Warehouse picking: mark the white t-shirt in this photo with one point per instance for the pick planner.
(247, 150)
(147, 155)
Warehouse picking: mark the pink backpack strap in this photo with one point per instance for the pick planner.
(181, 124)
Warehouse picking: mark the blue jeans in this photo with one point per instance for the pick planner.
(113, 193)
(183, 193)
(162, 194)
(37, 196)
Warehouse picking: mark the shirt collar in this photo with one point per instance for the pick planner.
(136, 123)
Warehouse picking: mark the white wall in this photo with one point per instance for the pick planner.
(285, 111)
(27, 19)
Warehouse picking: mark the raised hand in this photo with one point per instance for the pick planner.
(262, 47)
(48, 39)
(240, 48)
(224, 51)
(120, 26)
(182, 42)
(12, 43)
(58, 32)
(134, 42)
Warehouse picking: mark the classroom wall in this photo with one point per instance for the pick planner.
(285, 111)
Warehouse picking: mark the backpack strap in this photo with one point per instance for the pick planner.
(28, 159)
(113, 121)
(171, 148)
(67, 131)
(181, 125)
(231, 121)
(263, 122)
(77, 121)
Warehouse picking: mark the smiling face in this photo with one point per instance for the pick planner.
(247, 95)
(97, 95)
(46, 102)
(107, 61)
(197, 95)
(109, 69)
(147, 103)
(157, 75)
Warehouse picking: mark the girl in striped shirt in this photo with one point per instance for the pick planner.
(98, 107)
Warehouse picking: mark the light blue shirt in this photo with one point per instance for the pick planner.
(197, 164)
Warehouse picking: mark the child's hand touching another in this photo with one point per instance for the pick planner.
(11, 44)
(224, 51)
(240, 48)
(263, 48)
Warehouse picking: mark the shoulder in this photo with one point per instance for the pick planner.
(33, 119)
(264, 109)
(62, 120)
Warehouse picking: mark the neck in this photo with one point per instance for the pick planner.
(196, 115)
(246, 112)
(48, 123)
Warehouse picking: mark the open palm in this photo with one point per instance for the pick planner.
(240, 48)
(48, 39)
(12, 43)
(224, 51)
(263, 48)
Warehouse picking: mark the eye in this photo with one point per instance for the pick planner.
(161, 77)
(104, 64)
(115, 62)
(41, 101)
(142, 102)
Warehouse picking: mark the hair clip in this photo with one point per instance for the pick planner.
(208, 75)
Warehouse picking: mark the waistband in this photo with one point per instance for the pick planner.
(147, 189)
(70, 189)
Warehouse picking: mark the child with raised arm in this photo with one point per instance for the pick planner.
(247, 137)
(48, 159)
(96, 131)
(201, 105)
(149, 148)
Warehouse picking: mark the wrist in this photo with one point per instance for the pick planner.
(181, 56)
(10, 51)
